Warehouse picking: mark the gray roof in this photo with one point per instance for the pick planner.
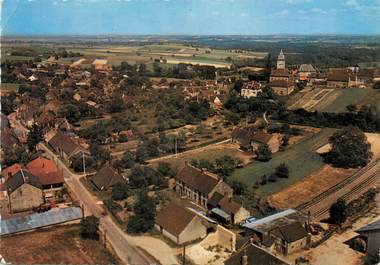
(107, 177)
(19, 179)
(306, 68)
(256, 256)
(33, 221)
(371, 227)
(276, 220)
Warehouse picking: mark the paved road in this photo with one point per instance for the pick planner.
(120, 242)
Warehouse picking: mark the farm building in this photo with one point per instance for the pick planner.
(64, 146)
(199, 185)
(306, 71)
(107, 177)
(252, 254)
(24, 192)
(48, 175)
(371, 233)
(226, 209)
(285, 232)
(250, 141)
(179, 224)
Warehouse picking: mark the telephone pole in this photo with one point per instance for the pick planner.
(84, 164)
(175, 145)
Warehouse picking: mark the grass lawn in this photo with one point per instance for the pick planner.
(300, 158)
(344, 97)
(9, 87)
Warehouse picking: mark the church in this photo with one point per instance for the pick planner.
(281, 81)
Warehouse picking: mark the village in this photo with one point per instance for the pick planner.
(189, 161)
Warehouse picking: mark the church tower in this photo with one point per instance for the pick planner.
(281, 61)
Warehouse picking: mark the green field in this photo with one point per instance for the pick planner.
(300, 158)
(344, 97)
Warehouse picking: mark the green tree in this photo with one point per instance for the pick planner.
(349, 148)
(282, 171)
(145, 214)
(225, 165)
(89, 227)
(338, 212)
(164, 168)
(120, 192)
(239, 187)
(34, 137)
(264, 153)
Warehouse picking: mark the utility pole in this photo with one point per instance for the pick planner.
(84, 164)
(105, 238)
(82, 211)
(175, 145)
(183, 255)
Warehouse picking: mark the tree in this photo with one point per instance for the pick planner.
(34, 137)
(163, 168)
(89, 227)
(282, 171)
(376, 85)
(239, 187)
(349, 148)
(272, 177)
(285, 140)
(264, 153)
(225, 165)
(120, 192)
(145, 214)
(338, 212)
(263, 180)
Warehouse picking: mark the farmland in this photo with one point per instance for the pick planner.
(301, 159)
(334, 100)
(58, 245)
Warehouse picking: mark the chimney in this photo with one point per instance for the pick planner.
(244, 258)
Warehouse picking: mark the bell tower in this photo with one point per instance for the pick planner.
(281, 61)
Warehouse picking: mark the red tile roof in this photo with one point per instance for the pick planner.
(45, 170)
(280, 73)
(228, 205)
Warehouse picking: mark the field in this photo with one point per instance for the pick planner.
(57, 245)
(301, 159)
(210, 153)
(309, 187)
(334, 100)
(172, 52)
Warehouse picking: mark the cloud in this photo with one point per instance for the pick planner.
(283, 12)
(318, 10)
(351, 3)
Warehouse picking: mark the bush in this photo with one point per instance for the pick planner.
(282, 171)
(338, 212)
(145, 215)
(272, 178)
(120, 192)
(163, 168)
(89, 228)
(264, 153)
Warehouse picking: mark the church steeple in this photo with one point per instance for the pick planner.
(281, 60)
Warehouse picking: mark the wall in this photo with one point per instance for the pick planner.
(25, 197)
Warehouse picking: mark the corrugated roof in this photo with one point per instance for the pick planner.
(371, 227)
(36, 220)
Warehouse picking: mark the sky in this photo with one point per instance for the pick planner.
(195, 17)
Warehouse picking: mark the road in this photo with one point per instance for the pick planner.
(125, 246)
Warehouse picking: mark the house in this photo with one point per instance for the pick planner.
(226, 209)
(281, 81)
(260, 138)
(7, 173)
(254, 255)
(198, 185)
(180, 224)
(101, 65)
(371, 233)
(250, 141)
(65, 146)
(48, 175)
(305, 72)
(285, 232)
(338, 78)
(107, 177)
(250, 89)
(24, 192)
